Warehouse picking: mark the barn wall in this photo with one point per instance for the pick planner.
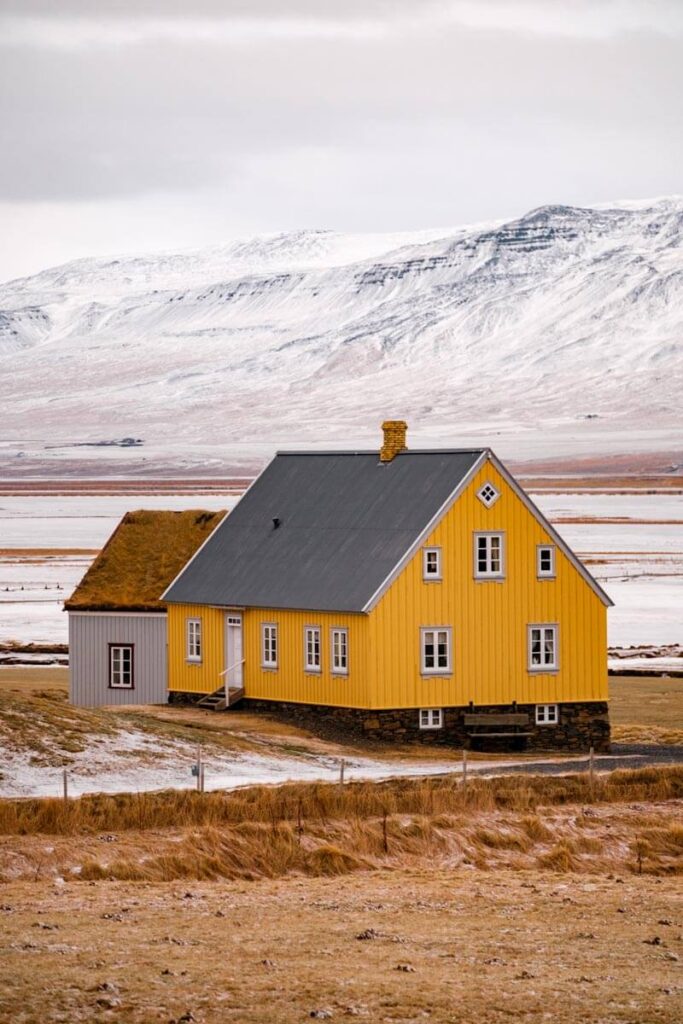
(90, 633)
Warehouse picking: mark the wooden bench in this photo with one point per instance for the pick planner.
(483, 725)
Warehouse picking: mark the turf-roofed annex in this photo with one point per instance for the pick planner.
(413, 594)
(117, 621)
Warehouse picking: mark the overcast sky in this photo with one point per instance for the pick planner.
(157, 124)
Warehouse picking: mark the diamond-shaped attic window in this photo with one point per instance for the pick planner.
(488, 495)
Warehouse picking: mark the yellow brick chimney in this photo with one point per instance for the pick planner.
(394, 439)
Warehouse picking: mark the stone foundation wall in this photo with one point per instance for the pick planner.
(582, 725)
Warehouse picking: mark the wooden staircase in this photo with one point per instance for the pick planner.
(217, 701)
(235, 693)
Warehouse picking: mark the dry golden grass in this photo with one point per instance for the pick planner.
(326, 802)
(443, 946)
(647, 703)
(649, 734)
(627, 821)
(25, 680)
(645, 838)
(144, 554)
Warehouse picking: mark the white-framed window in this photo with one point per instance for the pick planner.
(431, 718)
(339, 640)
(545, 561)
(543, 652)
(431, 564)
(435, 650)
(488, 495)
(312, 661)
(121, 666)
(489, 556)
(268, 645)
(547, 714)
(193, 637)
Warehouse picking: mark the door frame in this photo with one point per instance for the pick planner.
(234, 667)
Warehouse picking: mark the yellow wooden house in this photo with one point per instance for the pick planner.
(413, 594)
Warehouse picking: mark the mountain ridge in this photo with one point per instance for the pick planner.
(527, 325)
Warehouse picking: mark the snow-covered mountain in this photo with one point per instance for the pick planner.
(565, 323)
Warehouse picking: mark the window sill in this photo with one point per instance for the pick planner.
(548, 579)
(313, 671)
(430, 728)
(342, 673)
(442, 673)
(193, 661)
(432, 579)
(543, 671)
(112, 686)
(490, 579)
(547, 725)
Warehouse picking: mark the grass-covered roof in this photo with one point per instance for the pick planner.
(144, 554)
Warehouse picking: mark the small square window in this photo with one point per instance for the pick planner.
(431, 564)
(547, 714)
(488, 495)
(431, 718)
(545, 561)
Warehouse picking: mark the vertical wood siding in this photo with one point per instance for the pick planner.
(290, 681)
(489, 622)
(196, 677)
(489, 618)
(89, 637)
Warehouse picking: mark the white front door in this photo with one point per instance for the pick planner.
(233, 651)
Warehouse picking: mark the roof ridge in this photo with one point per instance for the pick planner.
(375, 451)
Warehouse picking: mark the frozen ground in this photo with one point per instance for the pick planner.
(638, 558)
(85, 521)
(134, 761)
(33, 586)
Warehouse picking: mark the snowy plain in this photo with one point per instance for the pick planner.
(133, 761)
(639, 563)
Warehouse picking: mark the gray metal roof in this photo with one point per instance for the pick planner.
(346, 521)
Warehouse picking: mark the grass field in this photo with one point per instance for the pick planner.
(534, 898)
(435, 945)
(642, 708)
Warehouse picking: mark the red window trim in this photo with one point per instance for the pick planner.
(132, 666)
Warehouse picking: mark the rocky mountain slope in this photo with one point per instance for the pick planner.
(565, 324)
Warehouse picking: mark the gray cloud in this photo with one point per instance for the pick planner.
(355, 115)
(74, 24)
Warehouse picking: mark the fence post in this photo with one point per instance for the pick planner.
(299, 822)
(341, 772)
(65, 786)
(464, 768)
(199, 768)
(591, 767)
